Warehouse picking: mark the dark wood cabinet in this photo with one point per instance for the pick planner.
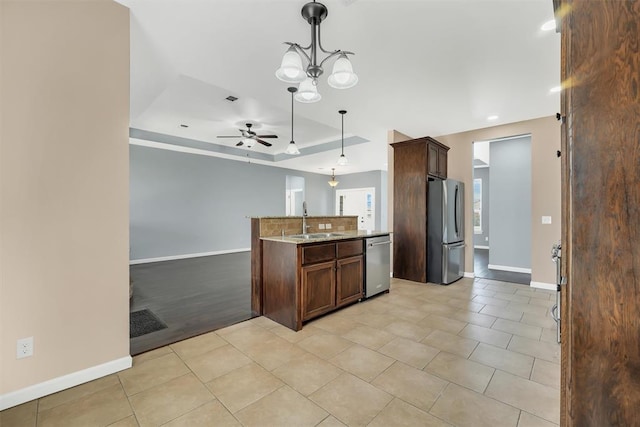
(436, 159)
(414, 163)
(349, 280)
(318, 289)
(600, 155)
(304, 281)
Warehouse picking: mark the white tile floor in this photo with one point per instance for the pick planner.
(474, 353)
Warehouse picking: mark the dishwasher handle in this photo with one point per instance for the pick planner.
(388, 242)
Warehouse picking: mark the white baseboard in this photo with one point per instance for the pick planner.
(64, 382)
(508, 268)
(543, 285)
(471, 275)
(480, 247)
(172, 257)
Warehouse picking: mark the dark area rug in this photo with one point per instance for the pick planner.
(143, 322)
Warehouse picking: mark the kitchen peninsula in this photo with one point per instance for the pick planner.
(297, 276)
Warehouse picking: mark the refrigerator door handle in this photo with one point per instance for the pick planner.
(455, 211)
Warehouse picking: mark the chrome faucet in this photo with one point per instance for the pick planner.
(304, 218)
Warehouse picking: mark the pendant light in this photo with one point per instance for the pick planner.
(292, 148)
(342, 160)
(333, 181)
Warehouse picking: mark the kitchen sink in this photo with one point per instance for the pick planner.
(315, 235)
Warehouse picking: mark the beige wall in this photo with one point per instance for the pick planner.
(64, 192)
(545, 182)
(545, 192)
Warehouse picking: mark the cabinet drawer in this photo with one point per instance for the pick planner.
(318, 253)
(350, 248)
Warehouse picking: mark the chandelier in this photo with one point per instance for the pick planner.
(333, 181)
(292, 71)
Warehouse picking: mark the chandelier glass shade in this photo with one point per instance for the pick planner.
(298, 66)
(307, 92)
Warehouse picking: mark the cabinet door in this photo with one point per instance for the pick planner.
(318, 289)
(442, 163)
(349, 280)
(432, 159)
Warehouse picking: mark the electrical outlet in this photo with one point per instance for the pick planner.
(321, 226)
(486, 239)
(328, 226)
(24, 348)
(546, 220)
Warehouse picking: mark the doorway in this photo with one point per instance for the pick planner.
(360, 202)
(502, 209)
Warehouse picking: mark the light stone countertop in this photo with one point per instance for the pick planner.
(326, 236)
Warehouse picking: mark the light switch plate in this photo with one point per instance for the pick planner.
(546, 220)
(328, 226)
(321, 226)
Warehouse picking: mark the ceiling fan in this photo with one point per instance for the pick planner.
(248, 136)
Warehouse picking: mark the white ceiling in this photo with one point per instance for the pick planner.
(425, 68)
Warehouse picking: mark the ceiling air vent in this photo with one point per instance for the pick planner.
(231, 98)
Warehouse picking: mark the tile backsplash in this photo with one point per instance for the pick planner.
(273, 226)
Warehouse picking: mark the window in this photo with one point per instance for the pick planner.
(477, 206)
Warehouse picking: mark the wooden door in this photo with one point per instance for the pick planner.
(349, 278)
(432, 156)
(442, 163)
(318, 289)
(601, 213)
(410, 210)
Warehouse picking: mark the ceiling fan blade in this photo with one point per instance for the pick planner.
(239, 144)
(267, 136)
(265, 143)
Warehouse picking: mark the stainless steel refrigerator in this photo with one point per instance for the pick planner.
(445, 237)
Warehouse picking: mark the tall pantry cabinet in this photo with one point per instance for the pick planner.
(600, 68)
(414, 163)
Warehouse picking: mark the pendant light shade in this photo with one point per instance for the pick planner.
(308, 92)
(292, 148)
(342, 160)
(342, 76)
(291, 70)
(333, 181)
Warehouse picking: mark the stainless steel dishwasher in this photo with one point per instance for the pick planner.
(378, 265)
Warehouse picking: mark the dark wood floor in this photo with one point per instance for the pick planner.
(481, 269)
(192, 296)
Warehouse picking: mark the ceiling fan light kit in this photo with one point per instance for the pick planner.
(249, 137)
(292, 70)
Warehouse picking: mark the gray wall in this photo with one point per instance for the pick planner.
(375, 179)
(510, 203)
(483, 173)
(187, 203)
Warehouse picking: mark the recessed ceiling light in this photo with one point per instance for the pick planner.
(555, 89)
(492, 118)
(184, 126)
(549, 25)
